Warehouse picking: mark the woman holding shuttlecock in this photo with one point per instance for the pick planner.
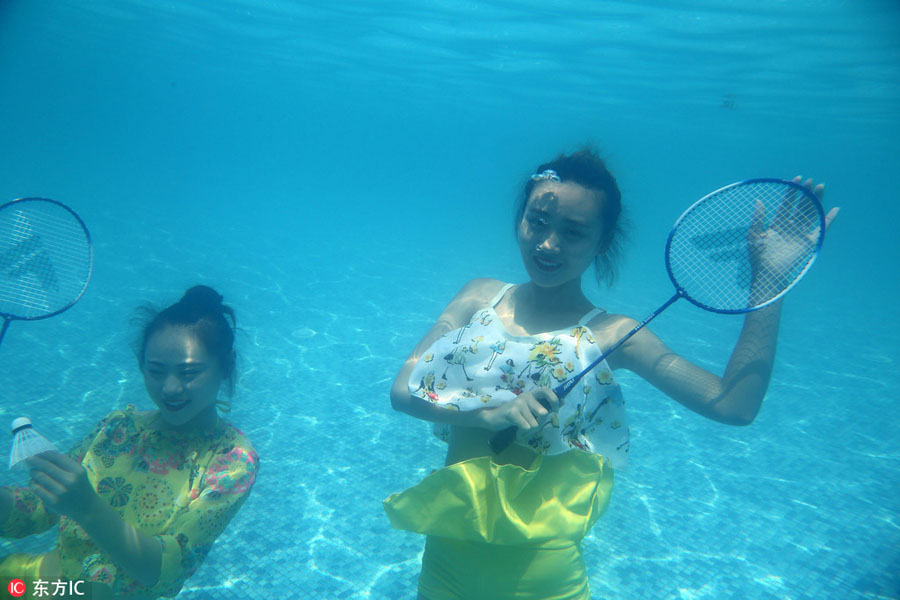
(140, 500)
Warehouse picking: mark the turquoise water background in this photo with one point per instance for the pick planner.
(339, 171)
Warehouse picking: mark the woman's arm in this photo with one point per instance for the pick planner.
(735, 397)
(26, 513)
(473, 296)
(524, 412)
(63, 486)
(22, 513)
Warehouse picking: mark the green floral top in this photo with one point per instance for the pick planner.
(181, 488)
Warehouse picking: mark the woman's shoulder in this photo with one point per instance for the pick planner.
(235, 464)
(234, 438)
(117, 417)
(484, 287)
(472, 297)
(608, 328)
(479, 293)
(641, 347)
(119, 425)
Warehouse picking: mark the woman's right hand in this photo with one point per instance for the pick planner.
(524, 412)
(791, 234)
(63, 485)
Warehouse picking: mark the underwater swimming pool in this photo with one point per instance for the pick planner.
(316, 194)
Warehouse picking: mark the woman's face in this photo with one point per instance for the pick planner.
(560, 232)
(182, 378)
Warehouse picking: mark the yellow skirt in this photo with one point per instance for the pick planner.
(503, 531)
(26, 567)
(21, 566)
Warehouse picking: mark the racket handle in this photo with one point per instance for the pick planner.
(501, 440)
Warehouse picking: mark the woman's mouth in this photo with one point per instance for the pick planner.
(174, 405)
(545, 264)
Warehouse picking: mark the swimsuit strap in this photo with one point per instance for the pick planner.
(499, 295)
(588, 317)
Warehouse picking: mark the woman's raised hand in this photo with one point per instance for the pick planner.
(791, 233)
(524, 412)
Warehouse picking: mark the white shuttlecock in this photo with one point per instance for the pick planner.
(27, 442)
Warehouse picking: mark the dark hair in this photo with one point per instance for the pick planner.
(201, 311)
(588, 170)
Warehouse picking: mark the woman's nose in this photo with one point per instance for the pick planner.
(550, 243)
(172, 384)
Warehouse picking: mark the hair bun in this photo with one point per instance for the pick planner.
(201, 296)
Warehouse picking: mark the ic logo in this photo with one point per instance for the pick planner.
(16, 588)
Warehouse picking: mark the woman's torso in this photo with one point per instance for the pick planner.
(518, 320)
(148, 475)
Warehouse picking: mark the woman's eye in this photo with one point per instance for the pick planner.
(536, 221)
(575, 234)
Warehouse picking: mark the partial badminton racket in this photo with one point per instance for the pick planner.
(46, 259)
(711, 260)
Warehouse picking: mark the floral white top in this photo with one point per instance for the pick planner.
(483, 365)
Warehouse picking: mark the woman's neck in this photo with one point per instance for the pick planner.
(204, 422)
(564, 298)
(534, 309)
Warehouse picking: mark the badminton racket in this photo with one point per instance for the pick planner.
(711, 261)
(46, 259)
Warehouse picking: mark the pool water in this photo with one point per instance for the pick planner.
(339, 172)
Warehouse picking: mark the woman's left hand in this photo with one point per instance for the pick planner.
(773, 250)
(62, 484)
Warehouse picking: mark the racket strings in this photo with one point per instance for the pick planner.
(714, 252)
(45, 258)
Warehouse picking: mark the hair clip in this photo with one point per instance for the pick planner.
(549, 174)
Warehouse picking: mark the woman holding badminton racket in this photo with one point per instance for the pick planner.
(533, 364)
(141, 499)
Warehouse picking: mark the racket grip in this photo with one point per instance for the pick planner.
(501, 440)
